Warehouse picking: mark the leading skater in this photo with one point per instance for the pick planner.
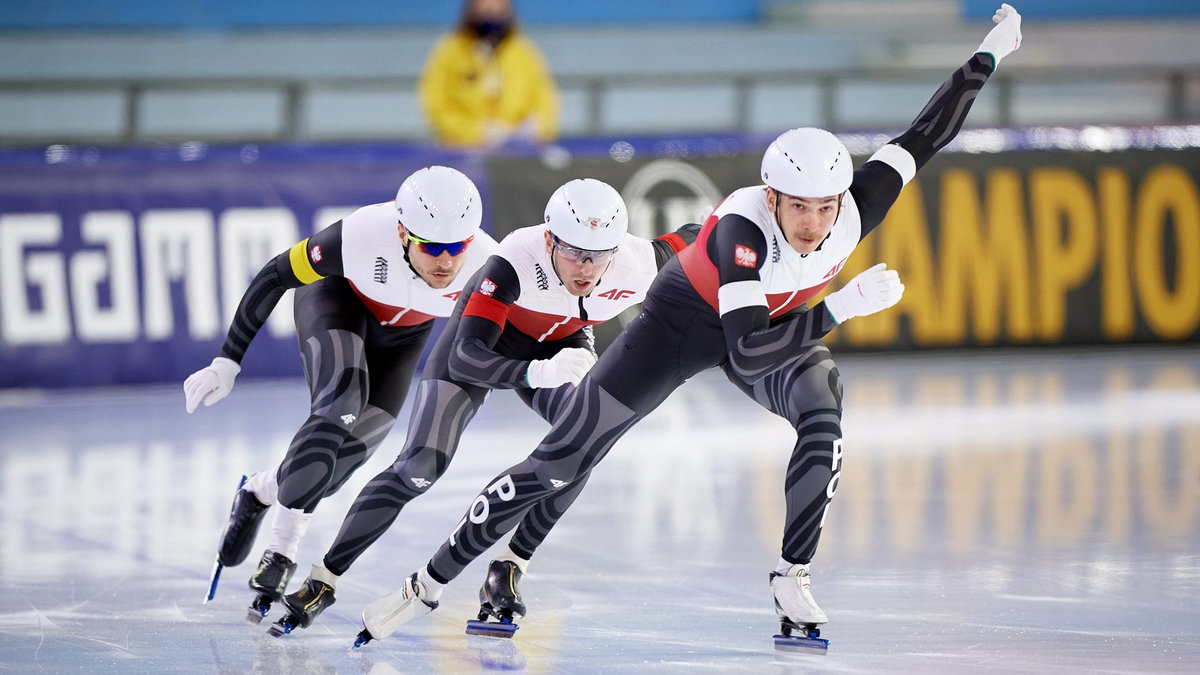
(734, 300)
(525, 326)
(368, 288)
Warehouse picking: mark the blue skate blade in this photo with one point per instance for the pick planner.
(491, 628)
(796, 643)
(364, 636)
(212, 583)
(217, 567)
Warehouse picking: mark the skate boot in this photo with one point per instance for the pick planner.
(306, 604)
(382, 617)
(269, 581)
(797, 611)
(237, 538)
(499, 598)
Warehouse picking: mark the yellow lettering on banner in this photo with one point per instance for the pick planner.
(1064, 259)
(904, 246)
(1116, 294)
(1168, 194)
(987, 258)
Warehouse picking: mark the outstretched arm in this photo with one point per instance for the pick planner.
(878, 182)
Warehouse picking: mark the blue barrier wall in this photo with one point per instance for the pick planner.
(126, 265)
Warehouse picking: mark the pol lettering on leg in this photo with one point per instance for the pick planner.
(835, 468)
(504, 488)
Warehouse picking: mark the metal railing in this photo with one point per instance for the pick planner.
(1181, 87)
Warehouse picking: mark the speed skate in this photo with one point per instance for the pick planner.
(798, 613)
(504, 628)
(499, 599)
(796, 638)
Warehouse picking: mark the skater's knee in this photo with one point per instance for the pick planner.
(303, 489)
(340, 411)
(554, 477)
(418, 470)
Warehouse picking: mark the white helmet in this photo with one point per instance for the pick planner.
(807, 162)
(589, 214)
(439, 204)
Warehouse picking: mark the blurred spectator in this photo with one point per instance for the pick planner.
(485, 84)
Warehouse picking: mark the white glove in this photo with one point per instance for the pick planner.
(569, 365)
(210, 384)
(871, 291)
(1005, 37)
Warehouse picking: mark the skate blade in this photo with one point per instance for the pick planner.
(258, 611)
(796, 643)
(364, 636)
(491, 628)
(281, 627)
(212, 582)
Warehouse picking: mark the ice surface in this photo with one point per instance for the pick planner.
(1016, 511)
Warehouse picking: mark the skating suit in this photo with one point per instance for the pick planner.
(363, 317)
(733, 300)
(518, 310)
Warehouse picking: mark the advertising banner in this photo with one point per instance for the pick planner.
(996, 249)
(127, 266)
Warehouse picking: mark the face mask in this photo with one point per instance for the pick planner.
(490, 30)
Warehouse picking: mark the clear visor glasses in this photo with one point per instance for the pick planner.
(582, 255)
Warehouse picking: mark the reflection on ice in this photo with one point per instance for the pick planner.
(1021, 512)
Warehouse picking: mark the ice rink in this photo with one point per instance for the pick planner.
(997, 512)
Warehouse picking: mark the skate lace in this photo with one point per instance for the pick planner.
(317, 598)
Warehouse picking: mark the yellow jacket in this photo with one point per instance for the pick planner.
(463, 90)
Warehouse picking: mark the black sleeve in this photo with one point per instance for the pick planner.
(738, 249)
(941, 119)
(473, 358)
(316, 257)
(876, 185)
(756, 349)
(670, 244)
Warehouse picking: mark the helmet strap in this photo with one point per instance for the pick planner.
(404, 244)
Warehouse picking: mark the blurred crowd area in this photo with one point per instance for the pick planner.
(113, 73)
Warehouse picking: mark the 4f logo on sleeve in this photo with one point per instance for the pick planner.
(744, 256)
(617, 294)
(452, 296)
(315, 254)
(487, 287)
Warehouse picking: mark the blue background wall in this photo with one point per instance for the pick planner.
(1083, 9)
(209, 14)
(222, 14)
